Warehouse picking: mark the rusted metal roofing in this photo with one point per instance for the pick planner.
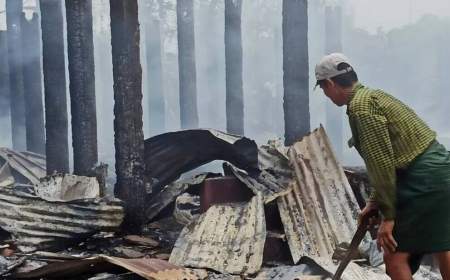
(155, 269)
(321, 210)
(152, 269)
(228, 238)
(39, 224)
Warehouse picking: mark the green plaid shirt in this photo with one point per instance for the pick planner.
(388, 135)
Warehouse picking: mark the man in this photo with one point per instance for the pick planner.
(408, 169)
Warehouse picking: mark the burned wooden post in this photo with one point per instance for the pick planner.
(186, 62)
(80, 50)
(296, 71)
(155, 89)
(129, 137)
(5, 97)
(333, 43)
(233, 65)
(32, 51)
(54, 66)
(13, 23)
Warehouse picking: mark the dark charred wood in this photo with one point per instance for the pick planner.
(31, 46)
(186, 62)
(155, 89)
(129, 137)
(80, 48)
(57, 150)
(295, 70)
(13, 23)
(5, 97)
(233, 66)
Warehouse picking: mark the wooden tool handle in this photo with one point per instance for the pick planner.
(356, 240)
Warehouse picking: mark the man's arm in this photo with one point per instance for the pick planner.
(376, 149)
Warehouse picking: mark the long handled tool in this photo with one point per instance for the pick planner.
(356, 240)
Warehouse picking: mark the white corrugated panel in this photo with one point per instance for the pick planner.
(29, 165)
(228, 238)
(321, 210)
(39, 224)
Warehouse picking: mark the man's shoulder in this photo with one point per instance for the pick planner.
(363, 100)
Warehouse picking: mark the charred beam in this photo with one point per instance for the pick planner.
(33, 84)
(54, 66)
(186, 62)
(13, 23)
(155, 88)
(233, 67)
(129, 137)
(5, 97)
(80, 49)
(296, 71)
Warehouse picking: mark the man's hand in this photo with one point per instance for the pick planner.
(368, 211)
(385, 239)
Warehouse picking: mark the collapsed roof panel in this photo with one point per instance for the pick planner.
(321, 210)
(39, 224)
(26, 167)
(265, 183)
(228, 238)
(147, 268)
(169, 194)
(169, 155)
(354, 271)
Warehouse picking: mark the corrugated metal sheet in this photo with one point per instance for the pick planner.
(30, 166)
(265, 183)
(354, 271)
(169, 194)
(152, 269)
(228, 238)
(215, 276)
(169, 155)
(274, 174)
(321, 210)
(39, 224)
(67, 187)
(299, 272)
(155, 269)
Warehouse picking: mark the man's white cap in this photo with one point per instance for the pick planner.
(327, 67)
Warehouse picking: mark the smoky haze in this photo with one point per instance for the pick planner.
(400, 46)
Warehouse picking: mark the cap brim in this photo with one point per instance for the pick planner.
(317, 83)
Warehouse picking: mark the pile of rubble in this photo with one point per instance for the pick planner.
(273, 212)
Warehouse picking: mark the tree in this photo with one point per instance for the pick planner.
(295, 70)
(56, 144)
(233, 65)
(333, 43)
(82, 85)
(13, 22)
(211, 77)
(186, 62)
(129, 137)
(5, 97)
(155, 88)
(31, 49)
